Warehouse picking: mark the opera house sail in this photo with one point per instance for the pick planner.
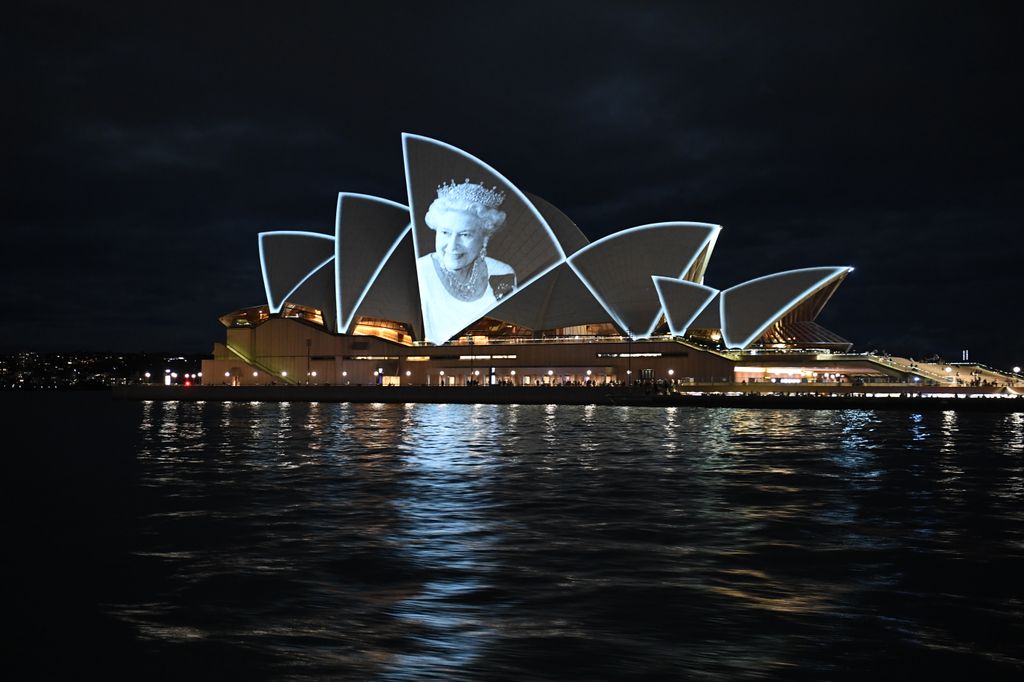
(473, 280)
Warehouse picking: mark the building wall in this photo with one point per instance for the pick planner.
(289, 351)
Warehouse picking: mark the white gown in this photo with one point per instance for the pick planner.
(444, 316)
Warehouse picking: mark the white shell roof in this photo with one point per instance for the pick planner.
(632, 278)
(682, 301)
(748, 309)
(288, 258)
(367, 231)
(393, 293)
(618, 268)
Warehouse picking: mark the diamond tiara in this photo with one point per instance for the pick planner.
(474, 193)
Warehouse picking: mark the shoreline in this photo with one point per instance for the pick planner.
(862, 398)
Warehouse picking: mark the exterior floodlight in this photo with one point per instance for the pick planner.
(513, 372)
(476, 373)
(442, 372)
(550, 372)
(949, 369)
(376, 373)
(147, 374)
(342, 374)
(408, 373)
(255, 374)
(284, 374)
(227, 374)
(671, 372)
(589, 372)
(1016, 370)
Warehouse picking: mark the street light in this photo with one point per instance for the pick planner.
(1016, 369)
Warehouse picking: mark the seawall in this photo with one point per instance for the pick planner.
(564, 395)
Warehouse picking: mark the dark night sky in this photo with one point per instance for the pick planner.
(147, 145)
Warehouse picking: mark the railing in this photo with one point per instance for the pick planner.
(260, 366)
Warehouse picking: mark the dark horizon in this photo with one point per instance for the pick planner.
(148, 147)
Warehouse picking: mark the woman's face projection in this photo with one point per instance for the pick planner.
(459, 241)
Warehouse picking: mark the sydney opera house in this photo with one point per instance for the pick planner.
(477, 282)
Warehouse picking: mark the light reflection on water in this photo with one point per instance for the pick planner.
(410, 541)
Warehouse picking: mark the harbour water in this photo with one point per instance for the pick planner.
(173, 540)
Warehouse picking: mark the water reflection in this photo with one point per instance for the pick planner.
(444, 530)
(520, 542)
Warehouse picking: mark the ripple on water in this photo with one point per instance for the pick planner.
(545, 542)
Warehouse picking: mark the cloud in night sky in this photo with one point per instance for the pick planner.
(147, 146)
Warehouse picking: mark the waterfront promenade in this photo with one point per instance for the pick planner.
(774, 396)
